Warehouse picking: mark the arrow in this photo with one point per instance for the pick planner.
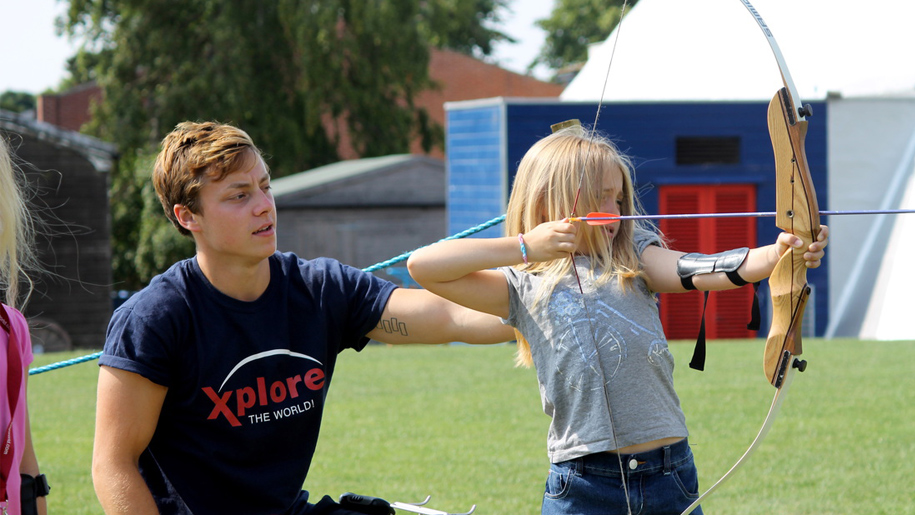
(597, 218)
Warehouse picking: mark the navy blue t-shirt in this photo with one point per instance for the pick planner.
(246, 380)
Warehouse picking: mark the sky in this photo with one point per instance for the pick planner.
(32, 56)
(827, 48)
(519, 23)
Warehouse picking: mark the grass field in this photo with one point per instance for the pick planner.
(462, 424)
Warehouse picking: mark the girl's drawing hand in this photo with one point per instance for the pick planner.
(551, 240)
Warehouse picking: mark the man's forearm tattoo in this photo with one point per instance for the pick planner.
(393, 326)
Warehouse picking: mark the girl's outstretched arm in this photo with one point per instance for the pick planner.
(461, 270)
(661, 264)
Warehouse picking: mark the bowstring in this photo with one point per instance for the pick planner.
(600, 103)
(584, 303)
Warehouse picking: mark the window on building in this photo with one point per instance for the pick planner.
(706, 150)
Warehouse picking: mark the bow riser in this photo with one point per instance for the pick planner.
(796, 204)
(797, 212)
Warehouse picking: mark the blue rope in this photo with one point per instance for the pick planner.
(463, 234)
(378, 266)
(62, 364)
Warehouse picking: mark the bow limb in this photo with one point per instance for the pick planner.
(780, 395)
(797, 212)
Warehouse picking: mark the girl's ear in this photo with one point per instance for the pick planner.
(185, 217)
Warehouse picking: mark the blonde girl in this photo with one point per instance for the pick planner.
(617, 441)
(24, 488)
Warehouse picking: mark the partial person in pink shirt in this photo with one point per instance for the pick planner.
(22, 487)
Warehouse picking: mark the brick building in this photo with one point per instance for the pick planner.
(70, 109)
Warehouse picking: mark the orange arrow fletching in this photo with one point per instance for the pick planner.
(597, 218)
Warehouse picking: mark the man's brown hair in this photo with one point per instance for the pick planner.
(193, 152)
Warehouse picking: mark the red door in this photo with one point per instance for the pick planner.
(728, 312)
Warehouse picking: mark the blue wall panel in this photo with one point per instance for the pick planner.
(475, 167)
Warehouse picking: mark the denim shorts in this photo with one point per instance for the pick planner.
(661, 481)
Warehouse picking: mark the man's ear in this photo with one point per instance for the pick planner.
(185, 217)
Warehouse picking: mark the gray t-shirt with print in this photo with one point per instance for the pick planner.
(568, 332)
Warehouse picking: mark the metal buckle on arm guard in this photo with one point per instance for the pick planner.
(690, 265)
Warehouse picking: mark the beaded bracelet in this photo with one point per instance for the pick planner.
(523, 248)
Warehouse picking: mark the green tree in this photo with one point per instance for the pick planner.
(81, 68)
(17, 101)
(575, 24)
(465, 26)
(292, 73)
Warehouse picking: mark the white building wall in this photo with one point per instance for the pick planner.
(870, 145)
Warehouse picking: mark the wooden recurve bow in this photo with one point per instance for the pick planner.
(798, 214)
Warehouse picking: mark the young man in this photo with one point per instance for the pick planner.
(213, 379)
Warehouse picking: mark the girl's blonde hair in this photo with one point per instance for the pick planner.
(16, 232)
(557, 170)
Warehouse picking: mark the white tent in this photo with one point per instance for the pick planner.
(714, 50)
(889, 314)
(858, 58)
